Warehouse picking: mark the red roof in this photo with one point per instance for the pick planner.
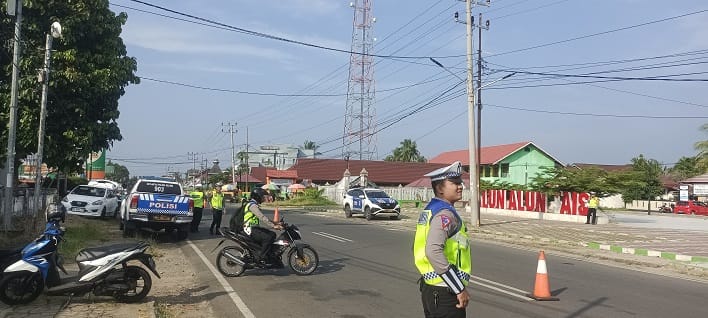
(489, 155)
(424, 182)
(380, 172)
(281, 174)
(251, 178)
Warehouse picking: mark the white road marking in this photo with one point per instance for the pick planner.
(518, 293)
(229, 290)
(332, 236)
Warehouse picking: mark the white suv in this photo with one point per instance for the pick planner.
(371, 202)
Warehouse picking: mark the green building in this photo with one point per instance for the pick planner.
(514, 163)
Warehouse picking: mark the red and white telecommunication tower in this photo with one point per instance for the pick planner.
(359, 140)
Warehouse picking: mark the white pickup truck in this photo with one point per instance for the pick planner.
(156, 204)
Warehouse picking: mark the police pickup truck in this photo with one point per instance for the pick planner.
(155, 204)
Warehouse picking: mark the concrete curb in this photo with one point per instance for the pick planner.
(646, 252)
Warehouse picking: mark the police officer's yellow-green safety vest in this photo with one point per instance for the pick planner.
(217, 200)
(594, 202)
(457, 250)
(249, 217)
(198, 198)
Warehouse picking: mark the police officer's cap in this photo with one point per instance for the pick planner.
(450, 172)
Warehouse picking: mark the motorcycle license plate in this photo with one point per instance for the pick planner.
(161, 218)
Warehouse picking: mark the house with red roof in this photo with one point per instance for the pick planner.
(381, 173)
(515, 163)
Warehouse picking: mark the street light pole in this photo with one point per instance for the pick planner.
(44, 77)
(12, 124)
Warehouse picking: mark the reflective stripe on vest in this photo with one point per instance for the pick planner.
(456, 251)
(249, 217)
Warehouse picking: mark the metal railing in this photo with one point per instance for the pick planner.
(23, 205)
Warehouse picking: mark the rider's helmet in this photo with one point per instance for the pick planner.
(259, 195)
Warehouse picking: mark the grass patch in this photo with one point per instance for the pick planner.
(161, 310)
(78, 237)
(305, 201)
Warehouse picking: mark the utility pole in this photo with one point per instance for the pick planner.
(193, 156)
(248, 167)
(479, 106)
(12, 124)
(44, 78)
(231, 130)
(471, 95)
(474, 177)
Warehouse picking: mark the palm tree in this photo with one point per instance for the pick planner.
(311, 145)
(406, 152)
(702, 147)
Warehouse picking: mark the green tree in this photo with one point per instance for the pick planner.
(644, 179)
(90, 70)
(557, 179)
(702, 148)
(311, 145)
(406, 152)
(120, 173)
(686, 167)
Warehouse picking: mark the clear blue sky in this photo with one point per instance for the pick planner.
(161, 123)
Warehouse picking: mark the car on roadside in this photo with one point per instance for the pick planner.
(370, 202)
(91, 200)
(691, 207)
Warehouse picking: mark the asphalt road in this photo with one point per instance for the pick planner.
(366, 270)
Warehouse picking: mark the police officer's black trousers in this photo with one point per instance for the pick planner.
(196, 219)
(440, 302)
(265, 238)
(216, 219)
(592, 212)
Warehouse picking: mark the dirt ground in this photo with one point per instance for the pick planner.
(176, 294)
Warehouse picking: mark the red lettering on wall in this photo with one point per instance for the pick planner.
(500, 202)
(565, 203)
(540, 202)
(530, 201)
(513, 204)
(582, 198)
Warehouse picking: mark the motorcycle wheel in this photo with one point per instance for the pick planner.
(139, 282)
(226, 265)
(305, 265)
(21, 288)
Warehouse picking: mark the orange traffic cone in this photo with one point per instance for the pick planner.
(276, 216)
(541, 289)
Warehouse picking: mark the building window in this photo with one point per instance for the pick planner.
(487, 171)
(495, 171)
(504, 170)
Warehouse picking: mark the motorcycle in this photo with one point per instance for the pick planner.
(233, 260)
(102, 270)
(665, 209)
(10, 256)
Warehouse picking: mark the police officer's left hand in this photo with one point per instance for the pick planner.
(463, 299)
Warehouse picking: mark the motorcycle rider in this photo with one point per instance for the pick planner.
(256, 224)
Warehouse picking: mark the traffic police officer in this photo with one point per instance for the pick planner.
(217, 209)
(592, 208)
(441, 248)
(257, 225)
(198, 197)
